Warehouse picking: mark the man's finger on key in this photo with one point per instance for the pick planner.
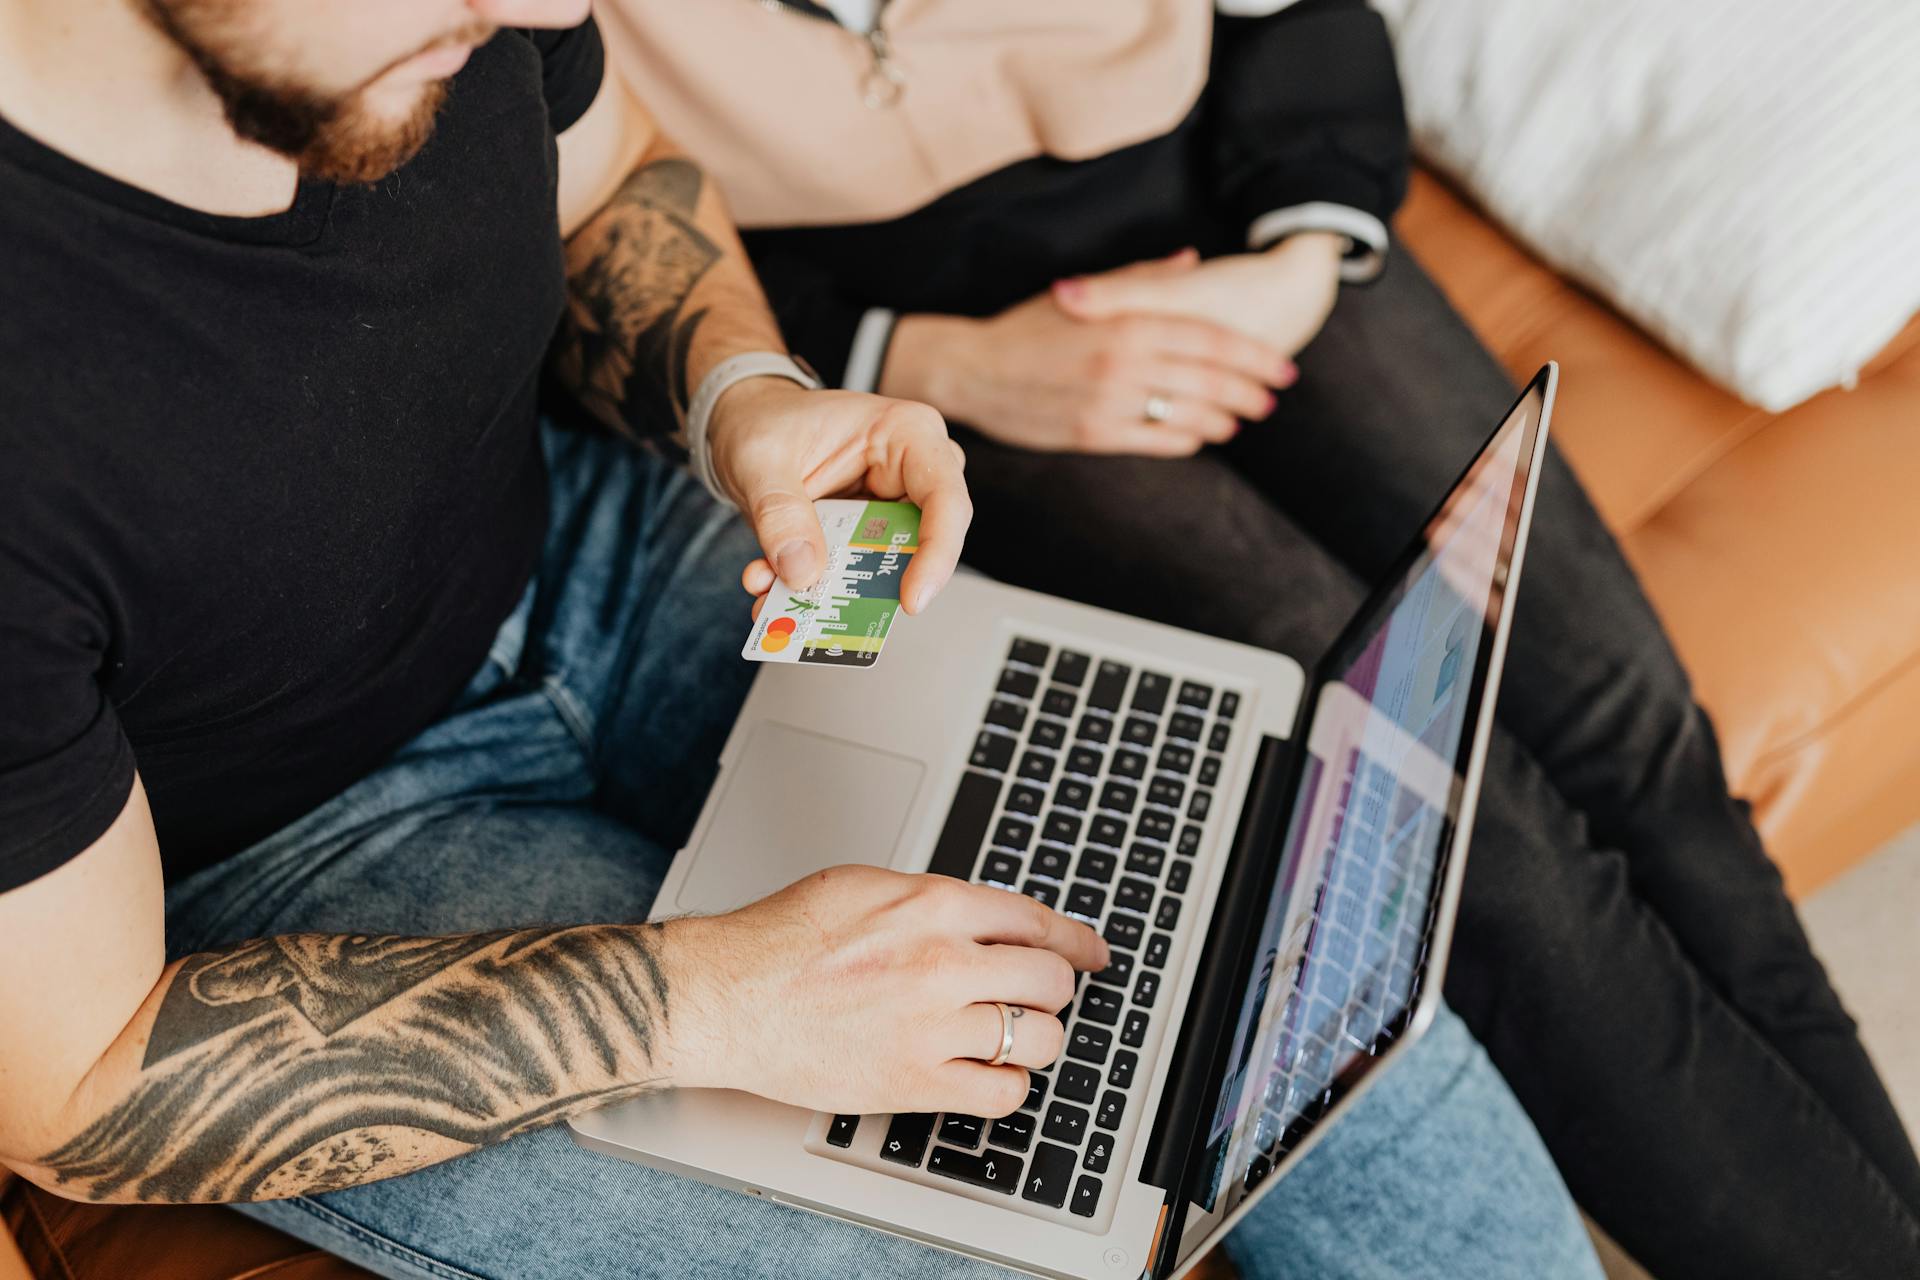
(1000, 916)
(968, 1086)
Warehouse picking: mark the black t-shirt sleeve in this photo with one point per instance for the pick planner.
(573, 62)
(65, 766)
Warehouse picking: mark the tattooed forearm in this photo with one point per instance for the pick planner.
(308, 1062)
(658, 285)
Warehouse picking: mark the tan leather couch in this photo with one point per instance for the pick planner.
(1782, 550)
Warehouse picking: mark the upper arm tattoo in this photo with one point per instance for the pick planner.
(308, 1062)
(623, 349)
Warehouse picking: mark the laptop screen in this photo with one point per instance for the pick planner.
(1344, 940)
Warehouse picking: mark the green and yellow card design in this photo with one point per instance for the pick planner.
(843, 619)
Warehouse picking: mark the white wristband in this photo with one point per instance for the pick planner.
(751, 364)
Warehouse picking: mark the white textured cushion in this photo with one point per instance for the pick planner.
(1741, 177)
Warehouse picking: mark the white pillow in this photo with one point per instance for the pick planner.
(1741, 177)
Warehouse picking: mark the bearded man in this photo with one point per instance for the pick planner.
(348, 708)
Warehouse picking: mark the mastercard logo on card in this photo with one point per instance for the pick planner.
(779, 635)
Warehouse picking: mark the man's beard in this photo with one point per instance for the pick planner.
(330, 136)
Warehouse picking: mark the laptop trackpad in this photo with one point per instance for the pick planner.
(794, 803)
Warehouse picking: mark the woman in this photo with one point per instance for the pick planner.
(1124, 242)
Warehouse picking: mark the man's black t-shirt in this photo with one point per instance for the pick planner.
(267, 485)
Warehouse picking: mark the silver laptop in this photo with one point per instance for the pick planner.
(1274, 852)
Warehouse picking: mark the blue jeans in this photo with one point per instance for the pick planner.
(556, 790)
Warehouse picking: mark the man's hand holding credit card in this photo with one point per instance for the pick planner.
(778, 450)
(843, 619)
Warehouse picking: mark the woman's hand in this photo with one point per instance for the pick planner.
(1039, 377)
(1279, 297)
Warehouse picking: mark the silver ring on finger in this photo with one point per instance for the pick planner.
(1157, 409)
(1007, 1015)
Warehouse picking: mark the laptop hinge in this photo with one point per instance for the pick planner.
(1251, 864)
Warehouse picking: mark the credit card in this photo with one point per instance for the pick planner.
(843, 619)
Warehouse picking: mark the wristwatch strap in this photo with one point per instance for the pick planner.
(750, 364)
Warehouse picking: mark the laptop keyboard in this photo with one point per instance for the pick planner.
(1089, 787)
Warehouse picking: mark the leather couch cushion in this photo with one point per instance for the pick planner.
(1778, 548)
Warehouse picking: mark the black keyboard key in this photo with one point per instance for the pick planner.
(1061, 828)
(1107, 830)
(1000, 867)
(1090, 1044)
(957, 851)
(1071, 668)
(1156, 954)
(1119, 968)
(1094, 729)
(840, 1132)
(962, 1131)
(1058, 702)
(1175, 758)
(1008, 715)
(1014, 833)
(1085, 900)
(1112, 1104)
(1014, 1132)
(1134, 895)
(1217, 736)
(1066, 1124)
(1167, 791)
(1086, 1196)
(1120, 1074)
(1201, 806)
(1019, 684)
(1036, 766)
(1209, 771)
(1101, 1004)
(1126, 931)
(1150, 695)
(1050, 734)
(1085, 761)
(1099, 1153)
(1071, 793)
(1108, 684)
(1119, 797)
(1026, 799)
(1097, 865)
(1168, 916)
(1257, 1170)
(1155, 824)
(1189, 842)
(1185, 726)
(907, 1138)
(1031, 652)
(1041, 891)
(1047, 1181)
(996, 1170)
(1134, 1033)
(992, 751)
(1147, 990)
(1178, 877)
(1136, 732)
(1146, 859)
(1036, 1091)
(1077, 1083)
(1130, 764)
(1229, 704)
(1195, 695)
(1050, 862)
